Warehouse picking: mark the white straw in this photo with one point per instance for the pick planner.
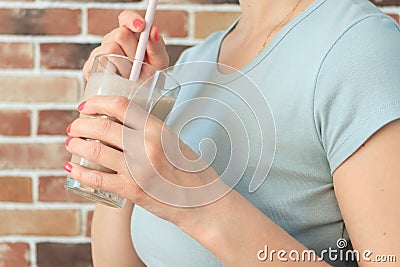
(144, 37)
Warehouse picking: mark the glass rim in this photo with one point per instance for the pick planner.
(123, 57)
(157, 71)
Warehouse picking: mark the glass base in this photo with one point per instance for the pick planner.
(99, 196)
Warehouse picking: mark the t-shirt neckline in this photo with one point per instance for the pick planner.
(274, 42)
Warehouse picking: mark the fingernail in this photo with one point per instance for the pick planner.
(67, 141)
(67, 166)
(68, 128)
(156, 35)
(81, 106)
(137, 23)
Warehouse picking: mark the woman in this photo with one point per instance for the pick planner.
(330, 71)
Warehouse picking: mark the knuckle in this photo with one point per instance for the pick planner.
(120, 102)
(94, 52)
(121, 15)
(113, 48)
(154, 153)
(121, 35)
(95, 150)
(126, 14)
(76, 125)
(106, 37)
(103, 126)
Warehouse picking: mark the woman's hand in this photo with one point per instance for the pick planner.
(147, 139)
(123, 41)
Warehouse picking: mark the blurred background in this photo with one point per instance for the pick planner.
(43, 45)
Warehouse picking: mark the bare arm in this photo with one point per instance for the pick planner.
(111, 237)
(236, 232)
(367, 187)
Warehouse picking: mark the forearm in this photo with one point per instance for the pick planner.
(235, 231)
(111, 239)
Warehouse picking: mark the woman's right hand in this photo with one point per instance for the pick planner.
(124, 39)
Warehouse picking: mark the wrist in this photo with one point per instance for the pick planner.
(207, 223)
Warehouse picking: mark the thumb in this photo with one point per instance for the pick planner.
(156, 50)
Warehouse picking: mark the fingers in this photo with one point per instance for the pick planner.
(120, 184)
(132, 20)
(103, 129)
(156, 50)
(112, 106)
(109, 48)
(117, 106)
(123, 41)
(95, 179)
(96, 152)
(125, 38)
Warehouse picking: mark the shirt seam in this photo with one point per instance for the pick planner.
(347, 30)
(364, 122)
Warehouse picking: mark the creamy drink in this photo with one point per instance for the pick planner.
(111, 84)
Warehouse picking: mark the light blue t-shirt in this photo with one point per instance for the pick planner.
(332, 79)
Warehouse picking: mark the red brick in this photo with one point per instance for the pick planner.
(63, 255)
(101, 21)
(51, 189)
(172, 23)
(14, 254)
(40, 222)
(16, 55)
(55, 121)
(33, 156)
(16, 189)
(89, 219)
(207, 22)
(51, 21)
(15, 122)
(64, 55)
(39, 89)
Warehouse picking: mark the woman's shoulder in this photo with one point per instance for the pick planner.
(357, 27)
(360, 16)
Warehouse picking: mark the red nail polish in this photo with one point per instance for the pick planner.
(156, 35)
(68, 128)
(67, 141)
(67, 166)
(81, 106)
(137, 23)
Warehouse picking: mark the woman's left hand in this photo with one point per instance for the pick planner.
(149, 159)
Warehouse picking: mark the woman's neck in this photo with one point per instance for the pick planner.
(261, 14)
(259, 23)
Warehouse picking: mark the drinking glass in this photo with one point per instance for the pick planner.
(155, 91)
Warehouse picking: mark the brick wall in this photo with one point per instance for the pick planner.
(43, 45)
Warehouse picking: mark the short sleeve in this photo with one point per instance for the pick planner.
(358, 87)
